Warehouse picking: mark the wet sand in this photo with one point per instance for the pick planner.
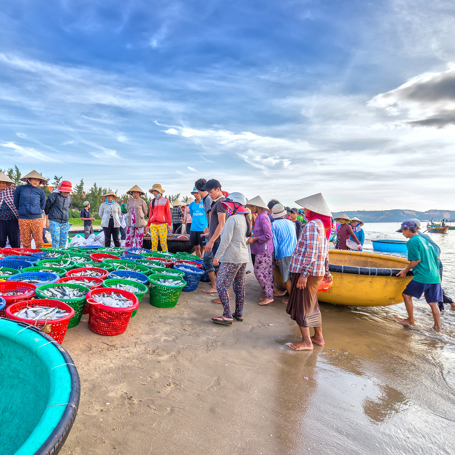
(177, 383)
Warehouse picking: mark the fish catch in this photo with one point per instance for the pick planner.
(33, 280)
(169, 273)
(41, 313)
(10, 293)
(88, 283)
(89, 273)
(113, 300)
(63, 292)
(169, 282)
(184, 269)
(62, 263)
(125, 287)
(80, 260)
(51, 255)
(6, 272)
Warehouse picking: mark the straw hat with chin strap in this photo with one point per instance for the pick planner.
(257, 202)
(315, 203)
(343, 216)
(5, 178)
(110, 193)
(135, 189)
(358, 221)
(34, 175)
(157, 187)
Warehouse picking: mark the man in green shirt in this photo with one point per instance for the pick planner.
(423, 261)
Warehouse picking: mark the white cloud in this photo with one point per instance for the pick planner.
(171, 131)
(21, 135)
(68, 142)
(106, 154)
(122, 138)
(191, 169)
(28, 153)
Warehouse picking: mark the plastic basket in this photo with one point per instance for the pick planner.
(167, 262)
(93, 247)
(130, 257)
(187, 256)
(27, 289)
(128, 275)
(165, 271)
(2, 307)
(118, 251)
(104, 273)
(59, 262)
(57, 270)
(31, 259)
(43, 277)
(24, 251)
(99, 283)
(47, 255)
(163, 296)
(139, 251)
(168, 256)
(192, 278)
(6, 272)
(128, 265)
(15, 264)
(54, 328)
(142, 288)
(106, 320)
(152, 264)
(190, 263)
(100, 257)
(76, 304)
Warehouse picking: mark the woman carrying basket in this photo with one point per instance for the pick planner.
(137, 211)
(232, 255)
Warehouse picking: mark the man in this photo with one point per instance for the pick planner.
(309, 265)
(87, 219)
(270, 205)
(160, 220)
(216, 224)
(177, 216)
(284, 242)
(298, 225)
(206, 199)
(423, 261)
(198, 222)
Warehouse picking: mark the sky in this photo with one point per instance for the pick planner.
(351, 98)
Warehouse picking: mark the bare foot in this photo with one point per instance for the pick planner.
(301, 346)
(437, 328)
(318, 341)
(210, 291)
(405, 322)
(286, 301)
(276, 294)
(452, 305)
(265, 302)
(216, 301)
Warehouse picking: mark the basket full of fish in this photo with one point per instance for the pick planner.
(71, 294)
(120, 264)
(57, 270)
(138, 289)
(52, 316)
(89, 272)
(165, 290)
(6, 272)
(165, 261)
(16, 291)
(129, 275)
(62, 262)
(100, 257)
(110, 310)
(15, 263)
(36, 278)
(193, 275)
(88, 282)
(139, 251)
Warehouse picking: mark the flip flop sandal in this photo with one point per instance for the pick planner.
(222, 321)
(238, 318)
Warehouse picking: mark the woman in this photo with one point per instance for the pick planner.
(344, 232)
(356, 225)
(57, 210)
(262, 248)
(137, 211)
(9, 226)
(109, 213)
(177, 216)
(187, 218)
(232, 255)
(160, 220)
(30, 201)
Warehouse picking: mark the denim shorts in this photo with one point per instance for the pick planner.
(433, 292)
(208, 258)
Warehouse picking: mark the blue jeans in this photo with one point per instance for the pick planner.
(208, 258)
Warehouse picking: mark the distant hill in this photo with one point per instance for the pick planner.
(392, 216)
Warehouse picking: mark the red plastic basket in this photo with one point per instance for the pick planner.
(55, 328)
(168, 263)
(193, 264)
(9, 252)
(324, 286)
(27, 289)
(99, 283)
(106, 320)
(100, 257)
(103, 276)
(24, 251)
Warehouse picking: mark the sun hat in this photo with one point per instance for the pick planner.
(194, 191)
(416, 221)
(65, 187)
(135, 188)
(294, 210)
(177, 203)
(343, 216)
(34, 175)
(190, 200)
(278, 211)
(157, 187)
(110, 193)
(86, 203)
(5, 178)
(258, 202)
(358, 221)
(315, 203)
(211, 185)
(407, 224)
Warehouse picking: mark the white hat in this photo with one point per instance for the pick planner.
(177, 203)
(278, 211)
(316, 203)
(5, 178)
(358, 221)
(343, 216)
(258, 202)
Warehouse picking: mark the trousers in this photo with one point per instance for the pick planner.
(9, 229)
(134, 237)
(263, 270)
(31, 227)
(59, 234)
(111, 230)
(227, 274)
(159, 231)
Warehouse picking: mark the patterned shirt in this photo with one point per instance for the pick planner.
(7, 207)
(177, 215)
(311, 254)
(6, 214)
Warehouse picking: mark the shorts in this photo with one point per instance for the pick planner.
(284, 264)
(208, 258)
(196, 239)
(433, 292)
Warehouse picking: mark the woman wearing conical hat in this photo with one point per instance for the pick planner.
(30, 201)
(177, 216)
(356, 225)
(137, 212)
(9, 225)
(344, 232)
(160, 219)
(110, 213)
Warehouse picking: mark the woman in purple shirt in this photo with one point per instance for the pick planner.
(262, 248)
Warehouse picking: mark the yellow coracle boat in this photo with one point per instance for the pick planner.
(365, 279)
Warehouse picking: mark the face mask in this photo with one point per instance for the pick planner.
(110, 202)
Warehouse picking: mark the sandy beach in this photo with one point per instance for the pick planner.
(177, 383)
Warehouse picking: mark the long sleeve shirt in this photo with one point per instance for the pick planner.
(344, 232)
(160, 211)
(233, 247)
(360, 235)
(263, 233)
(311, 254)
(284, 238)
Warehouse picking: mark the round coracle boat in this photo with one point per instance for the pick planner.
(365, 279)
(390, 246)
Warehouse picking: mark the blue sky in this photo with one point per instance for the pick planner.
(355, 99)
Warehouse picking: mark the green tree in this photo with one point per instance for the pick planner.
(78, 195)
(15, 175)
(173, 197)
(57, 181)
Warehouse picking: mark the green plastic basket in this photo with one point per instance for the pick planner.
(58, 270)
(163, 296)
(151, 264)
(166, 271)
(187, 256)
(159, 254)
(57, 261)
(7, 269)
(120, 264)
(76, 304)
(112, 250)
(139, 294)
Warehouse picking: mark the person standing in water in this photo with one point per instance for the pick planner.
(423, 261)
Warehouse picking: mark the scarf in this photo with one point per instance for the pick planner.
(326, 221)
(110, 202)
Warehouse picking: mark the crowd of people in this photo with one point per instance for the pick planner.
(288, 247)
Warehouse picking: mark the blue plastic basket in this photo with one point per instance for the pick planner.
(138, 251)
(44, 277)
(192, 278)
(15, 264)
(2, 305)
(128, 274)
(92, 247)
(205, 278)
(130, 257)
(44, 255)
(24, 258)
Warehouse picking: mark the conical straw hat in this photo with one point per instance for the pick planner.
(358, 221)
(316, 203)
(135, 188)
(34, 175)
(157, 187)
(258, 202)
(177, 203)
(343, 216)
(110, 193)
(5, 178)
(190, 200)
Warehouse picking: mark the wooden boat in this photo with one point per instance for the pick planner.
(438, 230)
(365, 279)
(390, 246)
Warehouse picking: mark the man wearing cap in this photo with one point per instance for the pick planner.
(294, 218)
(87, 219)
(9, 226)
(198, 222)
(160, 219)
(423, 261)
(216, 224)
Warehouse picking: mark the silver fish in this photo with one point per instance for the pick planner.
(125, 287)
(89, 273)
(113, 300)
(9, 293)
(169, 282)
(41, 313)
(63, 292)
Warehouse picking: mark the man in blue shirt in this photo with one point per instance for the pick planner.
(87, 219)
(198, 223)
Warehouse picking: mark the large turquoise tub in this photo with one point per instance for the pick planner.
(390, 246)
(41, 391)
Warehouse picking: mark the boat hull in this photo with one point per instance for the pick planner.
(390, 246)
(441, 230)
